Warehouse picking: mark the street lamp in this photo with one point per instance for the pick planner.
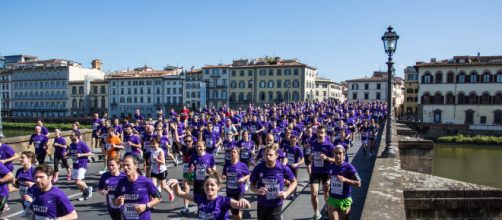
(390, 44)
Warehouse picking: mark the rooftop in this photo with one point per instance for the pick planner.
(462, 61)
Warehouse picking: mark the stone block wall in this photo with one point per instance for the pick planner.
(416, 155)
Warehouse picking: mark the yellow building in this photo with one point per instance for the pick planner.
(410, 93)
(270, 80)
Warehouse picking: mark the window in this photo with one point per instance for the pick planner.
(497, 117)
(279, 84)
(426, 99)
(233, 72)
(366, 86)
(461, 98)
(270, 84)
(474, 77)
(270, 72)
(296, 96)
(263, 72)
(482, 120)
(497, 99)
(355, 86)
(498, 78)
(95, 89)
(241, 84)
(241, 97)
(461, 78)
(486, 98)
(439, 78)
(287, 72)
(250, 96)
(449, 77)
(241, 73)
(379, 86)
(74, 90)
(295, 72)
(262, 96)
(427, 78)
(271, 96)
(450, 99)
(262, 84)
(296, 84)
(487, 77)
(233, 84)
(287, 84)
(80, 90)
(366, 96)
(469, 117)
(473, 98)
(378, 95)
(354, 96)
(250, 84)
(438, 98)
(279, 72)
(437, 116)
(250, 72)
(279, 96)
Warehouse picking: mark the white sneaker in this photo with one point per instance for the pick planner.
(89, 192)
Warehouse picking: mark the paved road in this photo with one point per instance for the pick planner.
(300, 208)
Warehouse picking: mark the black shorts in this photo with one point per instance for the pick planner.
(159, 176)
(319, 178)
(237, 197)
(56, 163)
(268, 213)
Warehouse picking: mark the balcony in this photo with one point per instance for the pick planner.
(217, 86)
(215, 75)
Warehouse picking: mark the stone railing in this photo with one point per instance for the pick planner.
(20, 143)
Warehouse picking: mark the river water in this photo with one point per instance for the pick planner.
(469, 163)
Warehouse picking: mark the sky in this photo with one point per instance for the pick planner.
(342, 39)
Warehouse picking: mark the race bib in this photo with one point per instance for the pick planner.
(291, 158)
(36, 144)
(209, 142)
(130, 212)
(253, 129)
(185, 168)
(23, 190)
(245, 153)
(200, 173)
(227, 155)
(232, 182)
(336, 186)
(273, 191)
(128, 148)
(205, 216)
(318, 161)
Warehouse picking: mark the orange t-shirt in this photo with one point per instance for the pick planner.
(112, 152)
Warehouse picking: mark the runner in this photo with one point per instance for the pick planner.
(25, 176)
(47, 201)
(159, 168)
(39, 142)
(267, 181)
(108, 185)
(132, 143)
(321, 149)
(136, 194)
(237, 174)
(79, 152)
(210, 204)
(343, 176)
(60, 152)
(295, 158)
(202, 164)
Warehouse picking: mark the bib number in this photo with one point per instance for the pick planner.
(130, 212)
(318, 161)
(273, 191)
(336, 186)
(232, 182)
(200, 173)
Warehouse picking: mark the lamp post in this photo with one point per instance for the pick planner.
(2, 64)
(390, 43)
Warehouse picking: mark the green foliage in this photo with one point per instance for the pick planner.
(478, 139)
(50, 126)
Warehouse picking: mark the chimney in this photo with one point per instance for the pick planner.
(96, 64)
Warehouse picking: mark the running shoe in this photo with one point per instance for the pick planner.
(89, 192)
(317, 216)
(185, 211)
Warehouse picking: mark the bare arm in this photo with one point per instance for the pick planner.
(70, 216)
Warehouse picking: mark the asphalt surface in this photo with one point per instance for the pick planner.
(95, 207)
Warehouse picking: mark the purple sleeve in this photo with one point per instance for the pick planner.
(64, 205)
(102, 180)
(31, 139)
(197, 199)
(212, 163)
(45, 141)
(300, 152)
(3, 170)
(153, 191)
(245, 170)
(287, 173)
(353, 173)
(85, 148)
(9, 151)
(120, 184)
(254, 175)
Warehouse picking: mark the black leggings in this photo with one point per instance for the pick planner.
(115, 215)
(3, 201)
(56, 163)
(266, 213)
(41, 158)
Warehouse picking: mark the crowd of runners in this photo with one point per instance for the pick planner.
(263, 148)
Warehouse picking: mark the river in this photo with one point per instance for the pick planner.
(469, 163)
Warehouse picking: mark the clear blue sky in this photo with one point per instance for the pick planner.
(340, 38)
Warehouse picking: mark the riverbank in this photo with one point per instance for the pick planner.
(470, 140)
(50, 126)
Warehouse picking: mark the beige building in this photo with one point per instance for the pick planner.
(216, 80)
(87, 97)
(410, 93)
(194, 89)
(462, 90)
(327, 89)
(270, 80)
(374, 89)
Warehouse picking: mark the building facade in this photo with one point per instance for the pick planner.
(462, 90)
(216, 79)
(374, 89)
(87, 97)
(39, 88)
(326, 89)
(195, 90)
(143, 89)
(270, 80)
(410, 93)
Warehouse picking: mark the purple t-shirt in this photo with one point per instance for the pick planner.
(7, 152)
(294, 154)
(211, 138)
(79, 148)
(109, 182)
(234, 172)
(212, 209)
(273, 180)
(227, 146)
(4, 189)
(137, 192)
(201, 164)
(59, 151)
(23, 176)
(51, 204)
(337, 189)
(39, 142)
(246, 149)
(319, 166)
(133, 139)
